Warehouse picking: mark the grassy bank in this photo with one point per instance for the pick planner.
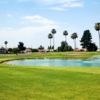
(51, 55)
(48, 83)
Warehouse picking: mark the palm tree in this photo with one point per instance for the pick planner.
(53, 31)
(50, 36)
(74, 36)
(65, 33)
(97, 28)
(6, 44)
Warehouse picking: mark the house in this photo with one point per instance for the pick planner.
(3, 50)
(28, 50)
(84, 49)
(77, 49)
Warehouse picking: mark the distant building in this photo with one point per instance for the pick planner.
(3, 51)
(28, 50)
(76, 49)
(84, 49)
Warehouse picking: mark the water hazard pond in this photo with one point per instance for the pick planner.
(55, 62)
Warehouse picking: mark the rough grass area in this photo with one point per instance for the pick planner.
(48, 83)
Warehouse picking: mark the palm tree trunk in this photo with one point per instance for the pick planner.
(6, 46)
(53, 43)
(65, 38)
(75, 44)
(99, 40)
(50, 43)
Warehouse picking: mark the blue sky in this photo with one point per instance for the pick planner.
(30, 21)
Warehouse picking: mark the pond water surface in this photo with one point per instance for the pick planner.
(56, 62)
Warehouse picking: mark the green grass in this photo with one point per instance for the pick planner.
(52, 55)
(49, 83)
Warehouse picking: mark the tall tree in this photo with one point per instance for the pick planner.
(6, 44)
(65, 33)
(50, 36)
(74, 36)
(53, 31)
(97, 28)
(86, 39)
(21, 46)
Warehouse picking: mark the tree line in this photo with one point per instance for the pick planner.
(85, 42)
(19, 49)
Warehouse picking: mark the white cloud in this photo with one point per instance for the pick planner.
(71, 5)
(62, 5)
(28, 33)
(67, 5)
(37, 19)
(31, 36)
